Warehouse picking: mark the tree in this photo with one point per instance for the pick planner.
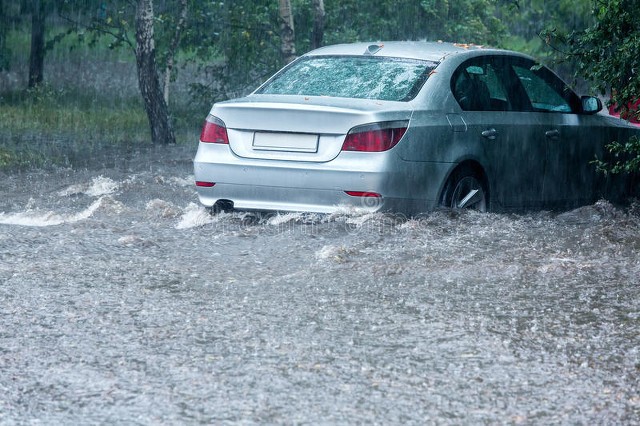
(608, 52)
(4, 51)
(317, 33)
(608, 55)
(235, 46)
(173, 48)
(150, 89)
(36, 57)
(114, 20)
(464, 21)
(287, 32)
(39, 11)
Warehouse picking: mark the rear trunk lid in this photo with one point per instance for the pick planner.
(298, 128)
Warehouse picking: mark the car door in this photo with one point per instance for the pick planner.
(514, 156)
(572, 139)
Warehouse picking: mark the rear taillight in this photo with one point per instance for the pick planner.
(368, 199)
(205, 184)
(363, 194)
(375, 137)
(214, 131)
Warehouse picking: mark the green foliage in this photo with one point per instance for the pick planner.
(464, 21)
(236, 46)
(608, 56)
(237, 43)
(626, 157)
(91, 20)
(608, 51)
(541, 28)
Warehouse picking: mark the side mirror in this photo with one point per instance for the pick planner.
(591, 105)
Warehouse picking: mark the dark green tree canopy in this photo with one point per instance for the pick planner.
(609, 51)
(608, 55)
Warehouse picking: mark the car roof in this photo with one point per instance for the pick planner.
(426, 50)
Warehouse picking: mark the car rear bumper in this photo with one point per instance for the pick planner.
(252, 184)
(251, 197)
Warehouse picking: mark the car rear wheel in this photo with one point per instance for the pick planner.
(465, 189)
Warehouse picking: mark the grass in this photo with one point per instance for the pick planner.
(48, 110)
(88, 108)
(47, 127)
(54, 127)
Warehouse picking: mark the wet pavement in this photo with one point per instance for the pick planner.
(123, 301)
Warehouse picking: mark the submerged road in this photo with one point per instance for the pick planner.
(123, 301)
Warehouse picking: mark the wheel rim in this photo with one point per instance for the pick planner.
(469, 194)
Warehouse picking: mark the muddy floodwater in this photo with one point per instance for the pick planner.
(123, 301)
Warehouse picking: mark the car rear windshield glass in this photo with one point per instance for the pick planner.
(388, 79)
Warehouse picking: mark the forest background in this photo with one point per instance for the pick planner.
(80, 78)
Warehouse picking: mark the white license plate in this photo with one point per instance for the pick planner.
(294, 142)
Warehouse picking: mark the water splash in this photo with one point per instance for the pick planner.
(163, 209)
(285, 218)
(339, 254)
(99, 186)
(183, 182)
(36, 218)
(194, 216)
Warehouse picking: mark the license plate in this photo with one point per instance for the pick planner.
(293, 142)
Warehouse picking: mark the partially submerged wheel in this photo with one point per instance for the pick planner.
(465, 189)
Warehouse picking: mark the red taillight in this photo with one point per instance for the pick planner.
(375, 137)
(205, 184)
(363, 194)
(214, 131)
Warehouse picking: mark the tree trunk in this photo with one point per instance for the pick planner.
(36, 56)
(4, 52)
(173, 48)
(318, 24)
(148, 81)
(287, 33)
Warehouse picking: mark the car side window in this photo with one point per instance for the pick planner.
(477, 87)
(545, 94)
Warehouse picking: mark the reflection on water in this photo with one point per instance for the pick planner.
(122, 298)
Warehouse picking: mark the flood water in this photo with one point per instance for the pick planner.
(123, 301)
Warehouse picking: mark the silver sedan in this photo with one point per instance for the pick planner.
(406, 126)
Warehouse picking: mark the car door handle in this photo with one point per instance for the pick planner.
(552, 134)
(490, 134)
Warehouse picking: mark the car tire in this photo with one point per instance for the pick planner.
(465, 189)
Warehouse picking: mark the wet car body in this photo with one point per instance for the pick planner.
(479, 128)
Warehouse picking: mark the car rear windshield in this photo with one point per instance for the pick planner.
(363, 77)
